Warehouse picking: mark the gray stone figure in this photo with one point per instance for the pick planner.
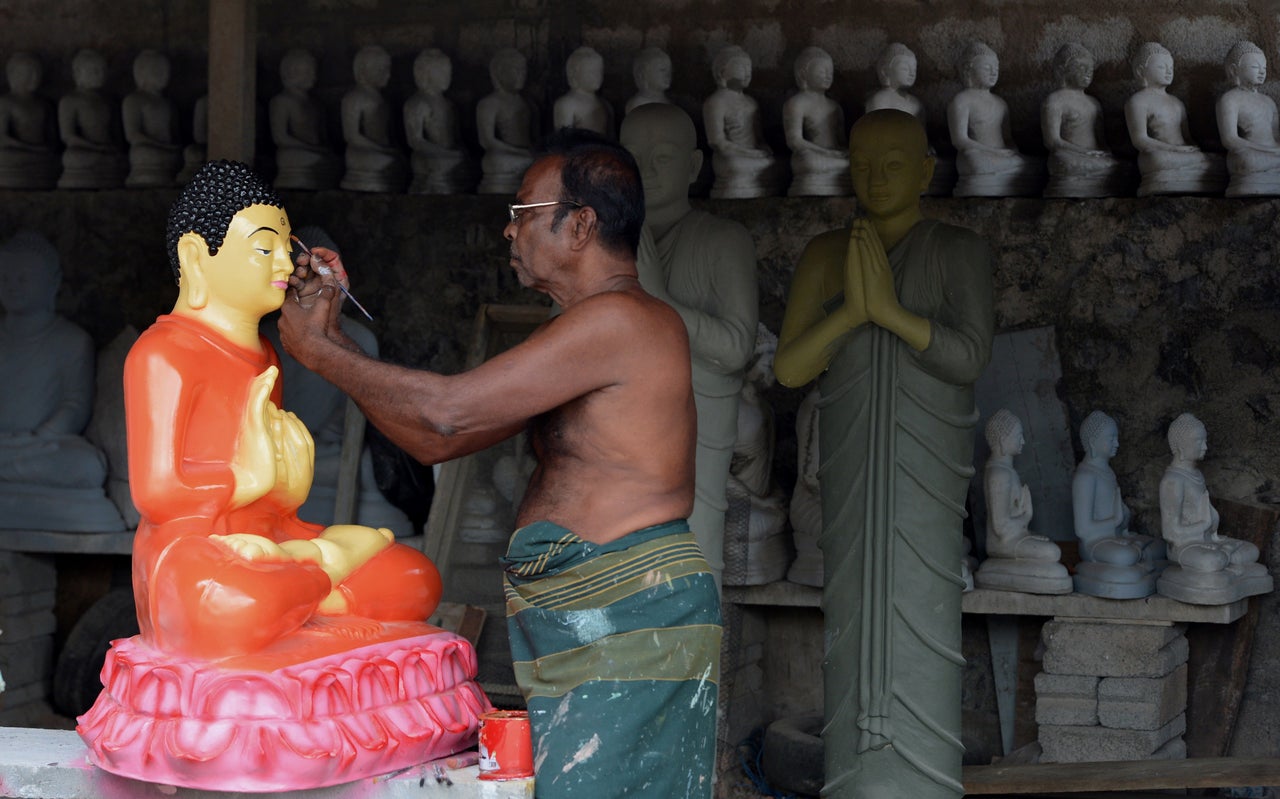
(704, 266)
(743, 164)
(1115, 563)
(1017, 559)
(1080, 165)
(441, 165)
(651, 70)
(582, 106)
(1205, 567)
(88, 122)
(815, 130)
(1249, 125)
(304, 159)
(51, 477)
(150, 127)
(504, 123)
(987, 162)
(196, 153)
(28, 131)
(373, 161)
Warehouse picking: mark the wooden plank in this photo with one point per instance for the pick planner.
(232, 85)
(1127, 775)
(1218, 666)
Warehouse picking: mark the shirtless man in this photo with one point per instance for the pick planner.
(605, 391)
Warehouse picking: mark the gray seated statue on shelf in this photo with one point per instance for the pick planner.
(1115, 563)
(987, 162)
(1017, 559)
(1205, 568)
(51, 477)
(28, 159)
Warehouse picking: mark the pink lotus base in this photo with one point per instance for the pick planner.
(367, 711)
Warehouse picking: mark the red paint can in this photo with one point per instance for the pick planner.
(506, 747)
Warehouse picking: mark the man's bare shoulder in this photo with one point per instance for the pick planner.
(626, 313)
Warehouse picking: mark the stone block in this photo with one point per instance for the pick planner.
(27, 661)
(1066, 699)
(27, 625)
(13, 698)
(26, 574)
(17, 604)
(1113, 650)
(1078, 744)
(1142, 703)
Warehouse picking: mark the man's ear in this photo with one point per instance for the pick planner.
(584, 225)
(191, 252)
(695, 165)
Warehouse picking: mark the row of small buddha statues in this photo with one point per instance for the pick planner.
(1190, 560)
(987, 163)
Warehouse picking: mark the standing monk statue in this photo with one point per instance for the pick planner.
(704, 266)
(612, 612)
(893, 316)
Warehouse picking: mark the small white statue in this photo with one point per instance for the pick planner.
(896, 71)
(1249, 125)
(1017, 559)
(88, 123)
(373, 161)
(51, 477)
(582, 106)
(504, 124)
(1168, 161)
(28, 159)
(815, 130)
(805, 511)
(1115, 563)
(987, 163)
(1210, 569)
(743, 164)
(441, 165)
(304, 159)
(149, 124)
(651, 70)
(1080, 165)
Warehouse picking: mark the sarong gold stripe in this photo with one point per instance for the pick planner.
(649, 572)
(664, 654)
(553, 591)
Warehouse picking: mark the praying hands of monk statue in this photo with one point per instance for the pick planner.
(987, 162)
(27, 129)
(1072, 125)
(87, 122)
(582, 106)
(815, 131)
(1249, 125)
(703, 266)
(304, 159)
(373, 161)
(651, 71)
(1158, 128)
(149, 125)
(504, 123)
(894, 317)
(440, 163)
(743, 164)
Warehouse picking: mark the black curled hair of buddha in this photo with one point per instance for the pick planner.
(219, 191)
(598, 172)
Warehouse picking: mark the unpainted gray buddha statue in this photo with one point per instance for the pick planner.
(89, 125)
(1017, 559)
(582, 106)
(504, 124)
(1205, 567)
(150, 126)
(815, 130)
(304, 159)
(1169, 162)
(1115, 562)
(51, 477)
(373, 160)
(1249, 125)
(742, 162)
(441, 165)
(197, 150)
(651, 71)
(987, 162)
(28, 131)
(896, 69)
(1071, 121)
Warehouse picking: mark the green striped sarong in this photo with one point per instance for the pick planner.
(617, 651)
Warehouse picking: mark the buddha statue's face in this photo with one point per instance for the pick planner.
(736, 73)
(298, 72)
(984, 71)
(1105, 442)
(89, 73)
(1012, 442)
(251, 269)
(901, 72)
(509, 74)
(151, 74)
(1192, 444)
(1251, 70)
(889, 167)
(1158, 71)
(655, 76)
(374, 70)
(23, 75)
(433, 75)
(586, 74)
(1079, 73)
(819, 74)
(666, 159)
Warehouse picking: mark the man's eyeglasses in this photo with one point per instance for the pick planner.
(514, 210)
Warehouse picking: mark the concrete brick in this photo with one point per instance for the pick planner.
(17, 604)
(14, 697)
(1142, 703)
(27, 661)
(1066, 699)
(1077, 744)
(1113, 650)
(26, 626)
(25, 574)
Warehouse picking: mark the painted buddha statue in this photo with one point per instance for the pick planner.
(1115, 562)
(1017, 559)
(1205, 567)
(274, 654)
(815, 130)
(1249, 125)
(28, 131)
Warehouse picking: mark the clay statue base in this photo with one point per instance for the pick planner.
(1214, 588)
(744, 178)
(406, 698)
(1110, 581)
(1119, 184)
(1263, 184)
(818, 184)
(69, 510)
(1023, 574)
(1022, 184)
(1208, 177)
(29, 170)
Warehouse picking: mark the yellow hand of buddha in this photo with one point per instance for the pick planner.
(877, 276)
(294, 454)
(253, 547)
(275, 453)
(855, 304)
